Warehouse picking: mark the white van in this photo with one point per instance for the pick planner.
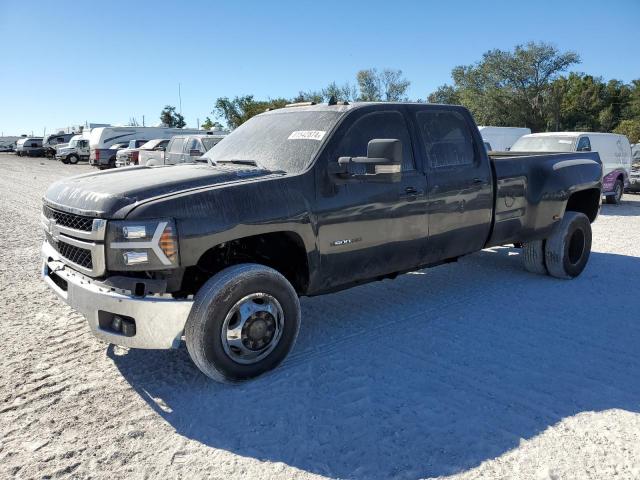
(500, 139)
(101, 138)
(614, 151)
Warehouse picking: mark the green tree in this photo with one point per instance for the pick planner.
(388, 85)
(630, 128)
(209, 124)
(240, 109)
(170, 118)
(510, 87)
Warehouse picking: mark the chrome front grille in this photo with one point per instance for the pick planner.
(77, 255)
(75, 222)
(78, 239)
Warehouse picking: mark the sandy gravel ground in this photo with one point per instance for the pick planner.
(472, 370)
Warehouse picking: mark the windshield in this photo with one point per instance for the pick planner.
(74, 143)
(280, 141)
(543, 144)
(150, 145)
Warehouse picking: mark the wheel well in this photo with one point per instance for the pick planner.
(282, 251)
(585, 201)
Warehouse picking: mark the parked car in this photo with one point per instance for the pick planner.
(129, 155)
(301, 201)
(51, 142)
(76, 150)
(502, 138)
(29, 147)
(187, 148)
(101, 138)
(614, 151)
(153, 153)
(634, 176)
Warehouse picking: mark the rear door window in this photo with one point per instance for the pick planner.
(447, 138)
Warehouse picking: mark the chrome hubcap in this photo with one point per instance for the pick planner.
(252, 328)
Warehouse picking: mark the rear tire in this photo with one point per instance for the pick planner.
(244, 321)
(72, 159)
(568, 248)
(533, 255)
(618, 189)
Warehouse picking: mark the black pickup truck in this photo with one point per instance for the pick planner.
(301, 201)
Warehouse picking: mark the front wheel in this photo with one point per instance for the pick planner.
(567, 250)
(244, 321)
(73, 159)
(616, 198)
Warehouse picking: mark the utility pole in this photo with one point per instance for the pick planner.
(180, 98)
(198, 122)
(143, 120)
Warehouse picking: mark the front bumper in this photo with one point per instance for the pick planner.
(159, 320)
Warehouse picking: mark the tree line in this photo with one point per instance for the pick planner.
(525, 87)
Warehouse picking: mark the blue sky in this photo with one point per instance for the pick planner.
(64, 63)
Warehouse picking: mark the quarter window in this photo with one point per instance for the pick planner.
(377, 125)
(447, 138)
(584, 145)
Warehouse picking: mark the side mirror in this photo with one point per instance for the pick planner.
(195, 153)
(383, 162)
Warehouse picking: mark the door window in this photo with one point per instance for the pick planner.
(377, 125)
(584, 145)
(176, 146)
(447, 138)
(194, 144)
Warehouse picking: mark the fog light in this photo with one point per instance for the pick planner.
(135, 258)
(116, 323)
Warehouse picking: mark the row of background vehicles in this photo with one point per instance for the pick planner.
(108, 147)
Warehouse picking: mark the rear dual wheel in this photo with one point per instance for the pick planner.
(565, 253)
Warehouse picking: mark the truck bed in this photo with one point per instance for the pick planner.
(532, 188)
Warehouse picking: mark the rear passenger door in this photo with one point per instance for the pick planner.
(459, 182)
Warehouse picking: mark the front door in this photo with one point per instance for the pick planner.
(460, 193)
(368, 229)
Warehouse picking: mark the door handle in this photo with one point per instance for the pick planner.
(410, 194)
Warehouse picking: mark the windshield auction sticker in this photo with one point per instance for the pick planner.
(307, 135)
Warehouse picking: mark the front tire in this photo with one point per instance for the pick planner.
(73, 159)
(243, 323)
(618, 189)
(568, 248)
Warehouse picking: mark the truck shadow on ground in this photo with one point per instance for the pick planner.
(427, 375)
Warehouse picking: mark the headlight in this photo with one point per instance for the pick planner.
(142, 245)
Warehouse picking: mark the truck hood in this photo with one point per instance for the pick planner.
(107, 194)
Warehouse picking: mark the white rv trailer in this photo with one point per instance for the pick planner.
(501, 138)
(101, 138)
